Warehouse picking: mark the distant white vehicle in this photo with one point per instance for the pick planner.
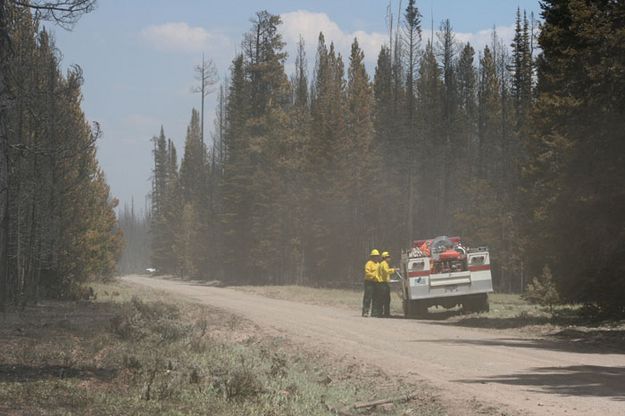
(442, 271)
(150, 270)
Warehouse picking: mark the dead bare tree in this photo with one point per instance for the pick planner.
(206, 75)
(64, 13)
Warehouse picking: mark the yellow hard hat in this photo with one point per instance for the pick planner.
(375, 252)
(385, 255)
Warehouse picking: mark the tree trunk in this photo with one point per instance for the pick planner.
(4, 153)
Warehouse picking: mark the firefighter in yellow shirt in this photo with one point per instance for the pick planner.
(383, 289)
(371, 279)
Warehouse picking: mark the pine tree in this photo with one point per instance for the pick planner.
(167, 201)
(104, 240)
(186, 243)
(215, 176)
(522, 69)
(173, 206)
(5, 55)
(300, 78)
(193, 165)
(407, 48)
(467, 99)
(382, 87)
(411, 39)
(193, 241)
(390, 144)
(263, 46)
(453, 149)
(237, 176)
(160, 180)
(297, 173)
(430, 165)
(268, 142)
(360, 165)
(575, 169)
(328, 130)
(489, 127)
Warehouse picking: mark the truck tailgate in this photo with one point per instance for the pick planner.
(445, 279)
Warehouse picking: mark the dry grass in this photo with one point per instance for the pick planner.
(346, 298)
(138, 351)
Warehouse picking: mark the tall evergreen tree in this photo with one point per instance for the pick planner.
(237, 176)
(575, 169)
(173, 205)
(489, 127)
(431, 144)
(467, 101)
(411, 40)
(453, 149)
(360, 165)
(192, 241)
(161, 247)
(193, 165)
(390, 145)
(298, 173)
(269, 95)
(328, 129)
(522, 69)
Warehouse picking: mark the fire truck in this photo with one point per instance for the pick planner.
(443, 272)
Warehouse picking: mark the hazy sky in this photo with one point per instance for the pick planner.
(138, 58)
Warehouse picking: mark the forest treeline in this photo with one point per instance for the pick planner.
(518, 147)
(135, 226)
(58, 221)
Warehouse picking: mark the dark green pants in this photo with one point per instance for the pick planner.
(384, 290)
(381, 300)
(368, 297)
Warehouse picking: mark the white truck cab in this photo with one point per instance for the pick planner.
(442, 272)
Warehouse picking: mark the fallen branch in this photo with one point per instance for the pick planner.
(337, 411)
(380, 402)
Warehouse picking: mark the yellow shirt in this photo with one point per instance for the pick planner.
(385, 272)
(371, 271)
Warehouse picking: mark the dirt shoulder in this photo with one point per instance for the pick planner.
(141, 351)
(505, 373)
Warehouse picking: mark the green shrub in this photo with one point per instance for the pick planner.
(241, 384)
(138, 319)
(237, 382)
(542, 290)
(131, 362)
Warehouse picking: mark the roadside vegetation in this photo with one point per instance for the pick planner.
(511, 312)
(124, 350)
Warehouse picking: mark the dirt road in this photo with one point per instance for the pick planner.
(515, 375)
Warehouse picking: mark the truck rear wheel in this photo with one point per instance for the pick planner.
(476, 304)
(415, 309)
(482, 302)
